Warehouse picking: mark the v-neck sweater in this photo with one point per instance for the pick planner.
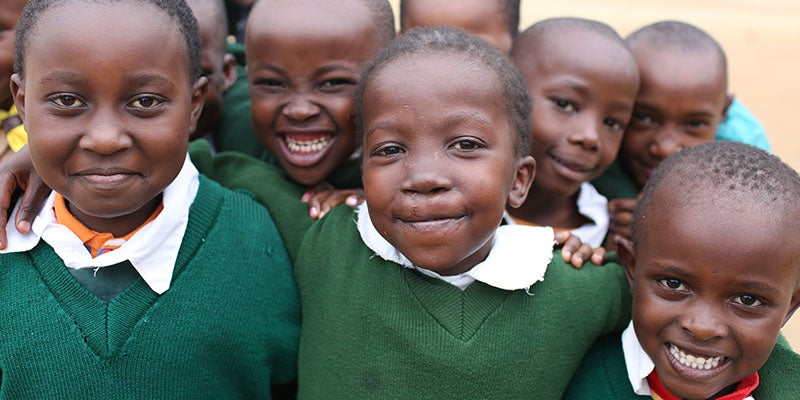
(373, 329)
(603, 375)
(227, 328)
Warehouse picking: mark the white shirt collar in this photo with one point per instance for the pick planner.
(638, 363)
(519, 256)
(592, 205)
(152, 250)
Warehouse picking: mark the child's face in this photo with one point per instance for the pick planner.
(218, 67)
(582, 97)
(481, 18)
(108, 117)
(10, 11)
(681, 102)
(439, 159)
(710, 286)
(303, 64)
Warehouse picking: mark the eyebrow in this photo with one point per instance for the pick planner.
(150, 79)
(448, 121)
(67, 77)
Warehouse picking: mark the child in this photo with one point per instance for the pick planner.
(117, 292)
(12, 132)
(582, 80)
(681, 102)
(424, 297)
(496, 21)
(710, 292)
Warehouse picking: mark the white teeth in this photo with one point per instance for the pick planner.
(693, 361)
(307, 146)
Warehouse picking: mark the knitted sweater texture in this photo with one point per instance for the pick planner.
(603, 375)
(373, 329)
(227, 328)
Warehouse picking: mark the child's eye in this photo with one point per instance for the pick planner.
(672, 284)
(67, 101)
(467, 144)
(748, 300)
(268, 82)
(388, 150)
(335, 83)
(641, 118)
(145, 102)
(564, 104)
(614, 124)
(697, 124)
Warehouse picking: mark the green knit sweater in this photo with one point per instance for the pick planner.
(616, 183)
(603, 375)
(227, 328)
(375, 330)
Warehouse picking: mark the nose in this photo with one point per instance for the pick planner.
(106, 133)
(300, 107)
(703, 322)
(665, 144)
(425, 174)
(586, 134)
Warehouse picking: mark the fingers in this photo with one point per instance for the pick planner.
(599, 256)
(30, 203)
(322, 201)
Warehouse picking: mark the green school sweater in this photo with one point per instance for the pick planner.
(603, 375)
(616, 183)
(227, 328)
(373, 329)
(270, 185)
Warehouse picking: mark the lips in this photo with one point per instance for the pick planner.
(305, 149)
(695, 365)
(106, 178)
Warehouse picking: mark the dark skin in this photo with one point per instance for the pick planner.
(109, 139)
(582, 98)
(710, 286)
(681, 102)
(10, 11)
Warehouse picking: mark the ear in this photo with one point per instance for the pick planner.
(525, 172)
(793, 305)
(229, 73)
(728, 100)
(198, 99)
(626, 257)
(18, 93)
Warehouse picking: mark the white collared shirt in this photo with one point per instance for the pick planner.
(592, 205)
(519, 256)
(152, 250)
(638, 363)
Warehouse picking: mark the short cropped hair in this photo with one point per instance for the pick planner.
(220, 17)
(738, 171)
(525, 44)
(177, 10)
(383, 18)
(678, 36)
(508, 8)
(456, 41)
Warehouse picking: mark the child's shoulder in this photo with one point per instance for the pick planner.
(615, 183)
(602, 373)
(780, 375)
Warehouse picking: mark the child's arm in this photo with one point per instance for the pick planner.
(621, 217)
(17, 173)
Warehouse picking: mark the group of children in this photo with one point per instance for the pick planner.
(141, 277)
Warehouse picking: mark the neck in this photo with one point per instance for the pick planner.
(118, 226)
(549, 209)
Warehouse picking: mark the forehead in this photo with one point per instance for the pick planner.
(106, 36)
(695, 226)
(313, 22)
(701, 72)
(10, 11)
(463, 13)
(576, 49)
(433, 87)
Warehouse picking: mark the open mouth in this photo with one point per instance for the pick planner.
(306, 149)
(694, 361)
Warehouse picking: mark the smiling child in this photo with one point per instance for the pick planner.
(710, 292)
(424, 297)
(582, 80)
(117, 291)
